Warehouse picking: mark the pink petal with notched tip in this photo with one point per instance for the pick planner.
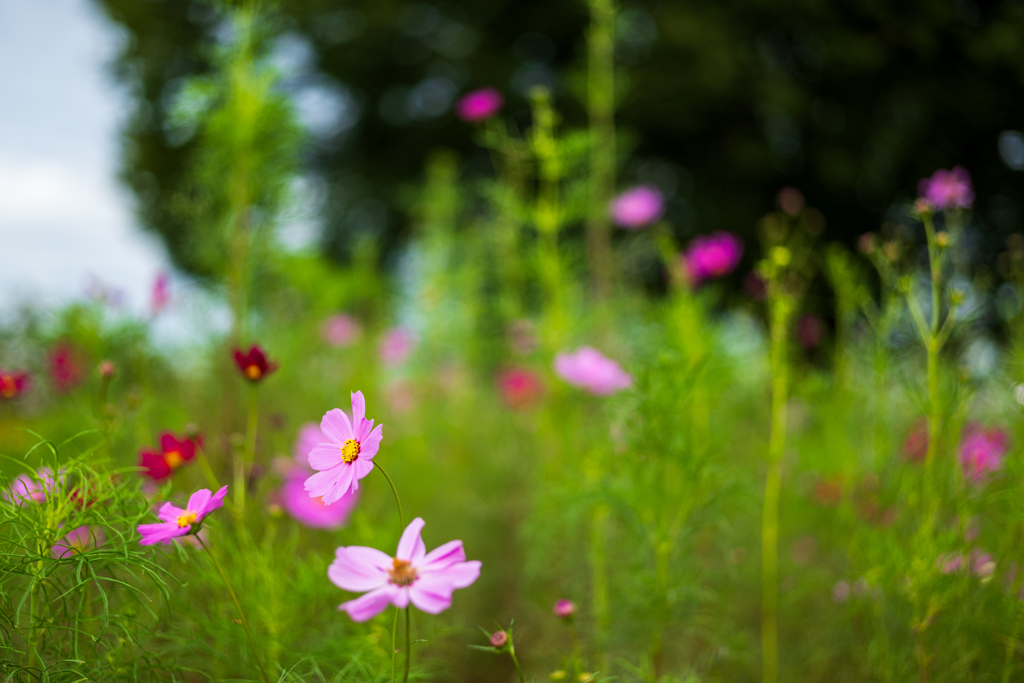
(410, 546)
(359, 569)
(431, 596)
(362, 467)
(443, 556)
(369, 445)
(215, 502)
(369, 605)
(336, 426)
(358, 409)
(197, 503)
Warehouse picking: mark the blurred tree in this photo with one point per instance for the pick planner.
(724, 103)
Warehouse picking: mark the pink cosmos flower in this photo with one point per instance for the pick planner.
(520, 388)
(26, 488)
(77, 541)
(947, 189)
(65, 367)
(396, 346)
(347, 454)
(982, 451)
(13, 383)
(309, 436)
(712, 256)
(565, 608)
(588, 369)
(177, 522)
(341, 330)
(479, 105)
(160, 294)
(427, 580)
(637, 207)
(313, 512)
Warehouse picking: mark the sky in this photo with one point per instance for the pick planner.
(66, 225)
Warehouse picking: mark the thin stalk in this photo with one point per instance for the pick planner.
(249, 454)
(394, 646)
(515, 660)
(398, 502)
(772, 488)
(238, 606)
(599, 587)
(408, 644)
(933, 346)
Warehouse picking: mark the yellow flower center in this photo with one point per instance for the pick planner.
(253, 371)
(186, 519)
(173, 459)
(350, 450)
(402, 572)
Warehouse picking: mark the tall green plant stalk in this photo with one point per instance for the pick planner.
(599, 583)
(601, 110)
(548, 211)
(781, 312)
(244, 465)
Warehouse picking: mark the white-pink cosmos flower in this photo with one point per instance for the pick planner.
(347, 455)
(589, 369)
(427, 580)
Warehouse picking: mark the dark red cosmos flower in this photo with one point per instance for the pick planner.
(13, 383)
(173, 454)
(254, 364)
(65, 368)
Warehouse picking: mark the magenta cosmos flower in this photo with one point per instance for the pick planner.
(160, 294)
(479, 105)
(13, 383)
(346, 456)
(947, 189)
(177, 522)
(565, 609)
(77, 541)
(588, 369)
(427, 580)
(308, 511)
(26, 487)
(712, 256)
(982, 451)
(637, 207)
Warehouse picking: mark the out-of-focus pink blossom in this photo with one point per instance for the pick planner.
(947, 563)
(341, 330)
(520, 388)
(33, 488)
(564, 608)
(160, 294)
(77, 541)
(983, 565)
(810, 331)
(982, 451)
(396, 346)
(65, 367)
(522, 337)
(589, 369)
(312, 512)
(637, 207)
(308, 437)
(947, 189)
(427, 580)
(479, 105)
(712, 256)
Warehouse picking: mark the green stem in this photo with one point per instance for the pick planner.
(394, 646)
(408, 645)
(599, 588)
(238, 606)
(515, 660)
(398, 502)
(243, 467)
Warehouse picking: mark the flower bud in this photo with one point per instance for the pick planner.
(868, 243)
(781, 256)
(107, 369)
(922, 207)
(499, 639)
(565, 609)
(942, 239)
(956, 296)
(558, 675)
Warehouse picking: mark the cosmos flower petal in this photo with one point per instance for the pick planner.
(215, 502)
(410, 546)
(363, 467)
(369, 605)
(444, 556)
(170, 513)
(431, 595)
(336, 426)
(324, 456)
(358, 409)
(369, 446)
(199, 500)
(161, 533)
(358, 569)
(462, 574)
